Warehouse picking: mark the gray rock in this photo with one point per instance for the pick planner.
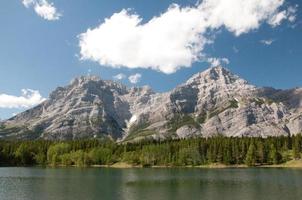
(213, 102)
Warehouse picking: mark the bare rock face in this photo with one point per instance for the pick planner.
(213, 102)
(187, 131)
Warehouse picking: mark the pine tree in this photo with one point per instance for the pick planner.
(250, 159)
(274, 155)
(297, 147)
(260, 152)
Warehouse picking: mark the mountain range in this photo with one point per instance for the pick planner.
(213, 102)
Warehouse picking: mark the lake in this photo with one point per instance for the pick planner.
(17, 183)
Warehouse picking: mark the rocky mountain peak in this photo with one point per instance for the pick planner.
(218, 74)
(212, 102)
(84, 79)
(219, 83)
(141, 90)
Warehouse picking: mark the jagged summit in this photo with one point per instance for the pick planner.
(82, 79)
(212, 102)
(216, 74)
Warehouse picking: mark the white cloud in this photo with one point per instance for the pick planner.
(165, 43)
(240, 16)
(135, 78)
(289, 14)
(43, 8)
(27, 3)
(214, 62)
(267, 42)
(278, 18)
(177, 37)
(47, 11)
(28, 99)
(119, 76)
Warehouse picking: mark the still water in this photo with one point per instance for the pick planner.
(153, 184)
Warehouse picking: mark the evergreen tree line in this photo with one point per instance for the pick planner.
(189, 152)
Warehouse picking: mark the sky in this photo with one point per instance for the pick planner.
(161, 43)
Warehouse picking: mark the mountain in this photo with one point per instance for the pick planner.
(213, 102)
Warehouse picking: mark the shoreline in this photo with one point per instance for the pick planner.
(294, 164)
(121, 165)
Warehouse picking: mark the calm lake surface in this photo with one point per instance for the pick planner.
(154, 184)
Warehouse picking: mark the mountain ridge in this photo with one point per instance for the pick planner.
(212, 102)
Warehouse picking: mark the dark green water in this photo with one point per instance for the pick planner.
(153, 184)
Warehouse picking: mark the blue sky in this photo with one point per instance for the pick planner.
(40, 51)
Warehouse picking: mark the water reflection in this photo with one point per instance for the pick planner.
(147, 184)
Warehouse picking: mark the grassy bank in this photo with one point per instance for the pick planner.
(123, 165)
(288, 164)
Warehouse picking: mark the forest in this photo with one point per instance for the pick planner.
(190, 152)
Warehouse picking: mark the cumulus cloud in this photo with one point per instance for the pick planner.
(214, 62)
(27, 3)
(177, 37)
(29, 98)
(289, 14)
(119, 76)
(267, 42)
(165, 43)
(278, 18)
(135, 78)
(240, 16)
(43, 8)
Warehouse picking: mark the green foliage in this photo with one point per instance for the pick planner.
(131, 157)
(258, 101)
(55, 152)
(297, 147)
(141, 133)
(101, 156)
(6, 130)
(190, 152)
(24, 154)
(40, 158)
(180, 120)
(274, 155)
(189, 156)
(65, 159)
(269, 101)
(79, 158)
(231, 104)
(250, 159)
(201, 118)
(137, 130)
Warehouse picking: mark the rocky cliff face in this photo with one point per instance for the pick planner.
(213, 102)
